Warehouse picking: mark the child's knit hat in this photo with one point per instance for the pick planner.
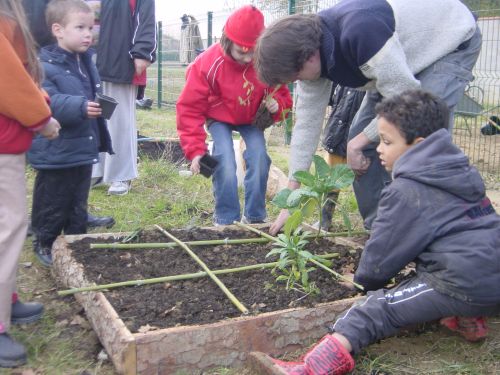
(244, 26)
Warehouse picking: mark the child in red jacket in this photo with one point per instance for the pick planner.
(223, 92)
(23, 111)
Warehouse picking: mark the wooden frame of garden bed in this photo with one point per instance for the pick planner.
(191, 348)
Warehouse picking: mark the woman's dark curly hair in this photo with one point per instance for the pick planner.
(416, 113)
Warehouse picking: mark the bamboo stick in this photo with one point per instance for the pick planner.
(255, 230)
(338, 275)
(156, 245)
(186, 276)
(219, 283)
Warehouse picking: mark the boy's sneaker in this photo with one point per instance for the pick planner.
(119, 188)
(472, 329)
(25, 312)
(12, 353)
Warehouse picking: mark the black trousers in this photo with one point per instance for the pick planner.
(383, 312)
(60, 202)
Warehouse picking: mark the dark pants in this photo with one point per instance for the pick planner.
(446, 78)
(60, 202)
(383, 312)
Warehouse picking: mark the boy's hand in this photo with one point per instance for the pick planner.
(51, 129)
(93, 110)
(195, 164)
(272, 105)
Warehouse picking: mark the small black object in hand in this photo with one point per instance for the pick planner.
(208, 165)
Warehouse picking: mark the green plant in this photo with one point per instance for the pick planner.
(293, 261)
(313, 194)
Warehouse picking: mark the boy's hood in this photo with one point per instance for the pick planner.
(437, 162)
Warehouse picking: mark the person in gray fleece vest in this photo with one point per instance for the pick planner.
(434, 213)
(383, 47)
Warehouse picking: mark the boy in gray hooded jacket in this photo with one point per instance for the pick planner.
(434, 213)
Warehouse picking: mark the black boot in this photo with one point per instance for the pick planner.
(12, 354)
(328, 210)
(96, 221)
(43, 253)
(25, 312)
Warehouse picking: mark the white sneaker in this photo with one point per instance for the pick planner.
(119, 188)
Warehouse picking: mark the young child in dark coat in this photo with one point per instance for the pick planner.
(434, 213)
(64, 165)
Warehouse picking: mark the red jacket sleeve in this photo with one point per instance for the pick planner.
(191, 110)
(284, 99)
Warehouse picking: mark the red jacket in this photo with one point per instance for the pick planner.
(220, 89)
(23, 106)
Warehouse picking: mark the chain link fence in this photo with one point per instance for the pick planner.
(182, 41)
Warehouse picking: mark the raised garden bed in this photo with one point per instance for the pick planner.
(191, 325)
(161, 148)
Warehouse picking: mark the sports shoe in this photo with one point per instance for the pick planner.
(119, 188)
(12, 353)
(472, 329)
(244, 220)
(328, 357)
(144, 103)
(25, 312)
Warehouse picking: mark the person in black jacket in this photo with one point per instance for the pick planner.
(127, 46)
(435, 213)
(345, 102)
(64, 165)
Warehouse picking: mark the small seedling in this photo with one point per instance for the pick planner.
(313, 194)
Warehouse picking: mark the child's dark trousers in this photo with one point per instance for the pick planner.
(60, 202)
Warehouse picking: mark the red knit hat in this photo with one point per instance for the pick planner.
(244, 26)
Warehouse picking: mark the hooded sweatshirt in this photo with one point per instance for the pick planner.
(436, 214)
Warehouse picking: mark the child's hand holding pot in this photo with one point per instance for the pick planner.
(93, 110)
(195, 164)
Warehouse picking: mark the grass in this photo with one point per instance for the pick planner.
(64, 343)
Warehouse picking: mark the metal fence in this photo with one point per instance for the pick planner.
(479, 105)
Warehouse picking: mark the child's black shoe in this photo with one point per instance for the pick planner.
(25, 312)
(12, 353)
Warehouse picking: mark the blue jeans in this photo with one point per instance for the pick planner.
(225, 183)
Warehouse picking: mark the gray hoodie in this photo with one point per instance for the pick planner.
(435, 213)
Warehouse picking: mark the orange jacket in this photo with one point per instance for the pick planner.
(220, 89)
(23, 105)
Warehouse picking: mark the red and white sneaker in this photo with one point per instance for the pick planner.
(328, 357)
(472, 329)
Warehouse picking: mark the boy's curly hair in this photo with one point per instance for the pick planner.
(416, 113)
(284, 47)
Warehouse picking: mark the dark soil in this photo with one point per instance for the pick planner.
(168, 150)
(199, 301)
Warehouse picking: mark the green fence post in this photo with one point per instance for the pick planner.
(210, 16)
(159, 61)
(289, 120)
